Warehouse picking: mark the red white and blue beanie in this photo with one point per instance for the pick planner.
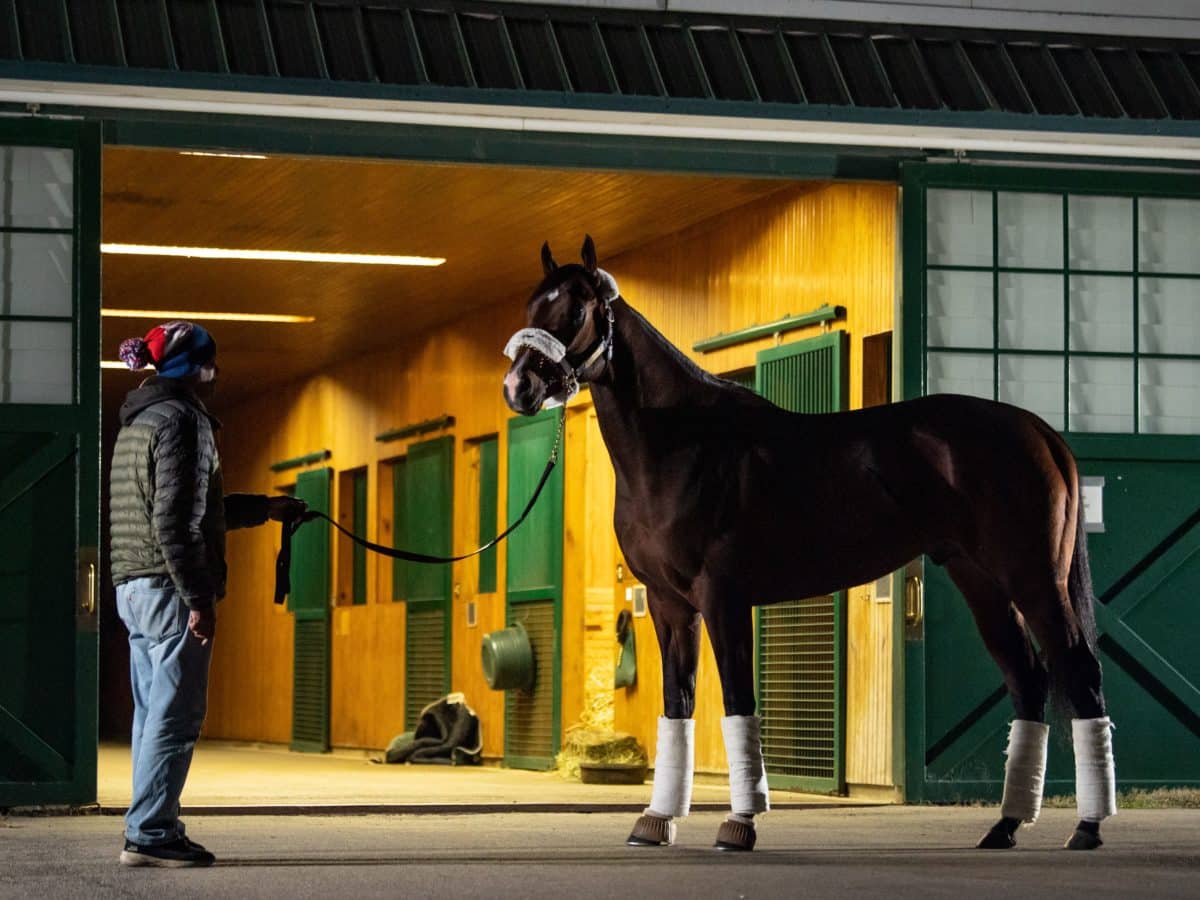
(175, 349)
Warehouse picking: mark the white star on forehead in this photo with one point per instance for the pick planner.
(553, 295)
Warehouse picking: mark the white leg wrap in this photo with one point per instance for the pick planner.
(673, 762)
(1095, 774)
(747, 774)
(1025, 771)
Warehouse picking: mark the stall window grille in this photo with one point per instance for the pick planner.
(1081, 307)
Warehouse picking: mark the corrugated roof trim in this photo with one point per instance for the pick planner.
(568, 50)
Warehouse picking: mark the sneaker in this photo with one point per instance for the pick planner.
(177, 854)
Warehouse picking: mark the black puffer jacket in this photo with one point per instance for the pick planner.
(167, 509)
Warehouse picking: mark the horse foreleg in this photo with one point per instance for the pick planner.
(731, 633)
(677, 626)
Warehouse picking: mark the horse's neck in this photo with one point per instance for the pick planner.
(647, 373)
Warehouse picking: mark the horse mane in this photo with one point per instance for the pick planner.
(710, 388)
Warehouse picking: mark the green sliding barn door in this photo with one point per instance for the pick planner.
(429, 507)
(1076, 295)
(49, 460)
(532, 719)
(309, 601)
(801, 658)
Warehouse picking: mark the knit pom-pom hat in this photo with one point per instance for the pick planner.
(175, 349)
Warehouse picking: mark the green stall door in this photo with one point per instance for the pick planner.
(309, 601)
(49, 460)
(428, 498)
(801, 643)
(532, 719)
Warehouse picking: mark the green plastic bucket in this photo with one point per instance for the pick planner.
(508, 659)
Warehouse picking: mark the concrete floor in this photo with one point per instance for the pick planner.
(245, 778)
(890, 851)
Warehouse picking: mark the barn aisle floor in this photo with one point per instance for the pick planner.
(243, 778)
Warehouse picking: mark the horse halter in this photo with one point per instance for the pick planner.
(555, 351)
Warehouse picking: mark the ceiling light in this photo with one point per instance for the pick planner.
(116, 364)
(223, 155)
(169, 314)
(367, 259)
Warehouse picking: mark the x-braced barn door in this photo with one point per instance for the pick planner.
(800, 643)
(309, 601)
(428, 528)
(49, 459)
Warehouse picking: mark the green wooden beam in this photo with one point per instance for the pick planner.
(825, 313)
(424, 427)
(306, 460)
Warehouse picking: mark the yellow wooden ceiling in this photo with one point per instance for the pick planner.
(488, 222)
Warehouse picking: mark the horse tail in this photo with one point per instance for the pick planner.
(1080, 590)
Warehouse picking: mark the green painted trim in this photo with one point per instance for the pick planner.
(489, 508)
(824, 313)
(297, 462)
(399, 527)
(424, 427)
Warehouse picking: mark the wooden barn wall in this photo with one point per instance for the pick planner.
(785, 254)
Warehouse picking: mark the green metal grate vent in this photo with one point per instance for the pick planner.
(443, 46)
(798, 692)
(425, 669)
(310, 698)
(530, 738)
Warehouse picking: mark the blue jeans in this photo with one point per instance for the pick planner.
(168, 668)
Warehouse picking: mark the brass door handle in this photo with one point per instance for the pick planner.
(914, 600)
(89, 601)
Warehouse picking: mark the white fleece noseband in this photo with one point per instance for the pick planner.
(543, 342)
(1025, 771)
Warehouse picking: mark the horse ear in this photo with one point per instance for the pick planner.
(548, 263)
(589, 254)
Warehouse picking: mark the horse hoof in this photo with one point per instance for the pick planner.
(999, 838)
(1083, 840)
(737, 836)
(652, 831)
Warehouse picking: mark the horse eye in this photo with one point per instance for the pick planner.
(578, 315)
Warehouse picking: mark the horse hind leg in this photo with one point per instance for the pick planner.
(677, 626)
(1077, 679)
(1026, 679)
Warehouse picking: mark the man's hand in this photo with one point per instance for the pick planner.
(285, 509)
(203, 624)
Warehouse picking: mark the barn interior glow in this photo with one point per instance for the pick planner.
(366, 259)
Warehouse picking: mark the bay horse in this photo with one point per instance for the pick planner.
(725, 502)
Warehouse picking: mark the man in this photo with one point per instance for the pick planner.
(169, 516)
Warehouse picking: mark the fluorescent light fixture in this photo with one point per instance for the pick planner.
(365, 259)
(168, 314)
(117, 364)
(222, 155)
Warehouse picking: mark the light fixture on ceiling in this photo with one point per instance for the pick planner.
(367, 259)
(169, 314)
(222, 155)
(117, 364)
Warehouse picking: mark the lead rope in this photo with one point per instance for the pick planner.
(283, 562)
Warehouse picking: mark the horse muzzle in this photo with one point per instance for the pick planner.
(524, 389)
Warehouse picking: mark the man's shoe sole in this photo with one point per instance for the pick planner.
(145, 859)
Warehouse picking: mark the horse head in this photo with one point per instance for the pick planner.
(568, 335)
